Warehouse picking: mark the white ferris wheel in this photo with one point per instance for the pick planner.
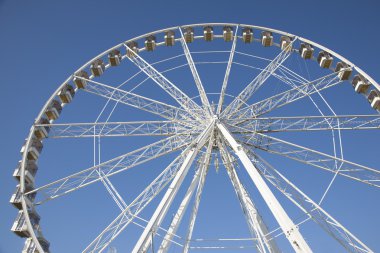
(166, 107)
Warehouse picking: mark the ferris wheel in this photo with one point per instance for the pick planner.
(158, 111)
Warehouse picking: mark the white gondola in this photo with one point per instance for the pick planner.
(41, 131)
(34, 149)
(169, 38)
(374, 99)
(228, 33)
(306, 51)
(360, 84)
(285, 42)
(344, 70)
(20, 227)
(30, 171)
(150, 43)
(247, 35)
(324, 59)
(66, 94)
(17, 195)
(114, 57)
(30, 246)
(189, 34)
(133, 46)
(97, 67)
(208, 33)
(79, 79)
(54, 110)
(266, 39)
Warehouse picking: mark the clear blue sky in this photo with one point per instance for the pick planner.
(43, 42)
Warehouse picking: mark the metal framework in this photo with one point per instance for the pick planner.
(197, 134)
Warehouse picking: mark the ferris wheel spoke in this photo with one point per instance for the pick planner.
(258, 81)
(287, 97)
(314, 158)
(255, 222)
(194, 72)
(309, 207)
(227, 74)
(307, 123)
(111, 167)
(130, 212)
(183, 100)
(116, 129)
(137, 101)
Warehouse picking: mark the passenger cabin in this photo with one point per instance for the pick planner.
(66, 94)
(30, 171)
(150, 43)
(189, 34)
(54, 110)
(30, 246)
(114, 57)
(247, 35)
(97, 67)
(266, 39)
(79, 79)
(374, 99)
(344, 70)
(306, 51)
(208, 33)
(17, 195)
(133, 48)
(324, 59)
(286, 42)
(34, 149)
(228, 33)
(20, 227)
(169, 38)
(42, 131)
(360, 84)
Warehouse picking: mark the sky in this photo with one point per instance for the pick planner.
(43, 42)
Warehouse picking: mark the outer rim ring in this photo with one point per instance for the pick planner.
(30, 135)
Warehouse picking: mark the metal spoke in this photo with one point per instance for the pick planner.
(306, 123)
(289, 96)
(288, 227)
(137, 101)
(315, 158)
(183, 100)
(310, 208)
(254, 220)
(194, 72)
(258, 81)
(144, 241)
(111, 167)
(116, 129)
(227, 74)
(137, 205)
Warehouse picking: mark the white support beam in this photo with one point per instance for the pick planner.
(255, 222)
(183, 100)
(160, 212)
(288, 227)
(227, 74)
(311, 209)
(258, 81)
(194, 72)
(204, 170)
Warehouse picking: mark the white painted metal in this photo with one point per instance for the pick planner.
(197, 79)
(288, 227)
(144, 240)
